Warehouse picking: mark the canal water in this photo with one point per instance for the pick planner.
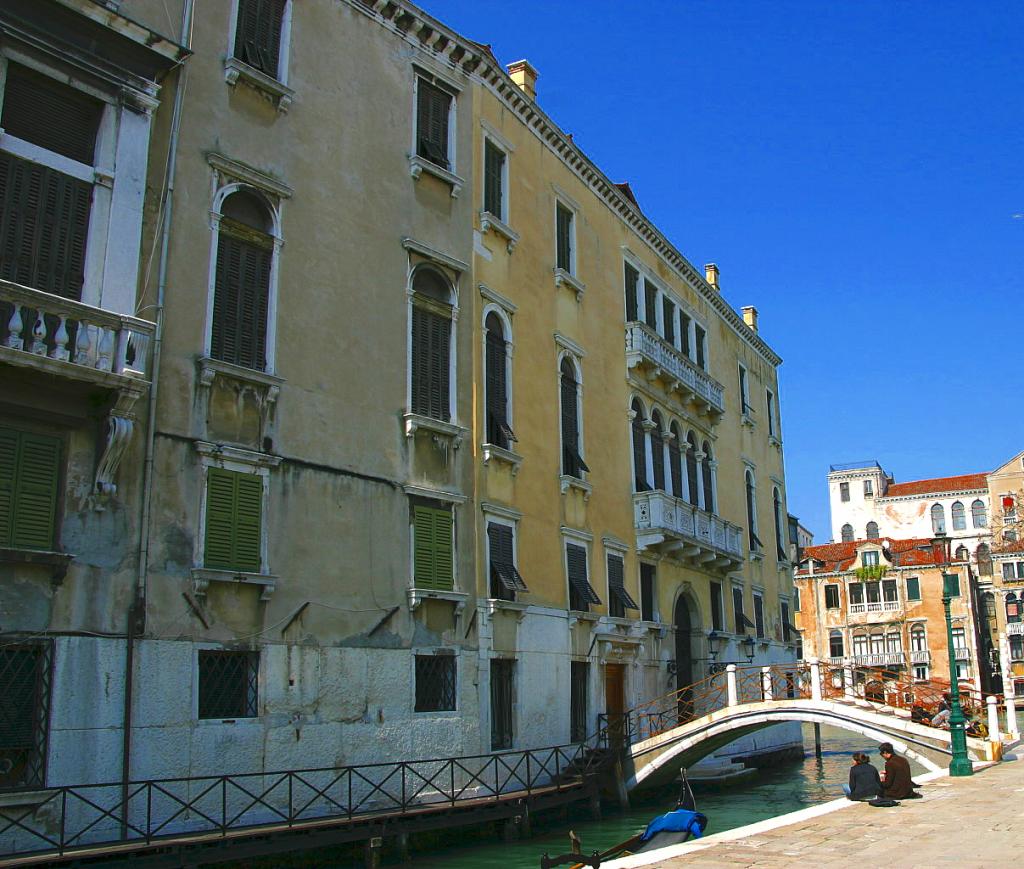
(776, 791)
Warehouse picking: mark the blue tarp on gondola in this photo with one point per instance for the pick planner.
(679, 821)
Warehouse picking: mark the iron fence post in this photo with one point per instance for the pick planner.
(290, 779)
(63, 817)
(223, 805)
(451, 769)
(149, 812)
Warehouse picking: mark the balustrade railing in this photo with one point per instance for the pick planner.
(643, 340)
(42, 324)
(653, 510)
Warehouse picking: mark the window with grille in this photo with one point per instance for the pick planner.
(572, 458)
(717, 607)
(499, 432)
(832, 597)
(581, 593)
(632, 279)
(228, 684)
(494, 180)
(431, 341)
(44, 212)
(579, 681)
(234, 520)
(25, 682)
(433, 556)
(505, 579)
(647, 590)
(258, 34)
(29, 485)
(433, 109)
(564, 238)
(619, 599)
(759, 616)
(435, 683)
(502, 703)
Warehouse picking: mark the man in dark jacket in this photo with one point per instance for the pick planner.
(898, 784)
(864, 782)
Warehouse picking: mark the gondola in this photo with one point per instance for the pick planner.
(673, 828)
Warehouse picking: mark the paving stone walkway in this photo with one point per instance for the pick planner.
(964, 822)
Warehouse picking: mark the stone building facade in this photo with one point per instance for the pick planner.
(390, 433)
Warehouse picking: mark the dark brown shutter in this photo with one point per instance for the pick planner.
(258, 34)
(658, 457)
(632, 278)
(570, 427)
(502, 694)
(668, 320)
(563, 232)
(497, 392)
(581, 593)
(684, 333)
(616, 583)
(639, 453)
(699, 334)
(50, 114)
(691, 470)
(675, 462)
(494, 162)
(650, 304)
(432, 107)
(240, 302)
(647, 592)
(505, 578)
(709, 489)
(44, 223)
(430, 358)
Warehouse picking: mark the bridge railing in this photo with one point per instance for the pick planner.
(59, 820)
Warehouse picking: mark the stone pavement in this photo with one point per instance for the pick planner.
(964, 822)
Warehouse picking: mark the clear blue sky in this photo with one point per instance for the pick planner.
(854, 168)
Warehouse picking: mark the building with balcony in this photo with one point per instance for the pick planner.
(878, 604)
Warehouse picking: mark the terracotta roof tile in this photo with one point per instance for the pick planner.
(837, 557)
(962, 483)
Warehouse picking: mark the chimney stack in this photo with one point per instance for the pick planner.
(711, 275)
(525, 76)
(750, 317)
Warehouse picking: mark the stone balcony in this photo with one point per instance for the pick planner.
(659, 361)
(883, 659)
(961, 653)
(674, 527)
(1015, 629)
(923, 656)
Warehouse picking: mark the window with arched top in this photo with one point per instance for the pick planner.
(918, 639)
(984, 557)
(959, 515)
(675, 462)
(938, 519)
(847, 533)
(658, 450)
(496, 383)
(877, 641)
(979, 518)
(961, 553)
(872, 531)
(430, 347)
(751, 498)
(989, 600)
(1013, 607)
(780, 543)
(639, 438)
(691, 467)
(893, 642)
(572, 442)
(860, 643)
(710, 502)
(242, 280)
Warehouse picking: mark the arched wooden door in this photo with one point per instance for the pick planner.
(684, 656)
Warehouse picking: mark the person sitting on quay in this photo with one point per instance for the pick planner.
(898, 784)
(864, 781)
(942, 714)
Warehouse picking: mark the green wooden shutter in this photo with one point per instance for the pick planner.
(445, 565)
(220, 519)
(433, 564)
(248, 521)
(29, 477)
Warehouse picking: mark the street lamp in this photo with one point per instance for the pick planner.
(960, 765)
(747, 645)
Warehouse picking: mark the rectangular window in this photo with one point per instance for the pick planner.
(435, 683)
(258, 34)
(784, 612)
(650, 304)
(228, 684)
(739, 618)
(564, 239)
(502, 703)
(647, 590)
(844, 491)
(619, 599)
(579, 681)
(1008, 570)
(430, 364)
(433, 556)
(889, 593)
(870, 559)
(433, 107)
(581, 594)
(874, 592)
(699, 335)
(744, 394)
(668, 320)
(505, 579)
(835, 645)
(632, 279)
(856, 593)
(234, 521)
(832, 597)
(796, 599)
(494, 180)
(759, 616)
(869, 489)
(717, 608)
(684, 333)
(920, 673)
(25, 680)
(769, 400)
(29, 484)
(953, 584)
(959, 638)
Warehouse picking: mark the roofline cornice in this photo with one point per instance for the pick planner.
(476, 61)
(932, 495)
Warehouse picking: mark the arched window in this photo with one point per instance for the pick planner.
(691, 466)
(918, 640)
(938, 519)
(496, 364)
(639, 437)
(984, 556)
(961, 553)
(755, 543)
(572, 447)
(835, 644)
(877, 639)
(709, 479)
(959, 516)
(780, 543)
(978, 515)
(847, 533)
(990, 604)
(658, 450)
(1013, 607)
(675, 462)
(893, 642)
(241, 291)
(872, 531)
(860, 643)
(431, 343)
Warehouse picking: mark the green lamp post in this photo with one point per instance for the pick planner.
(960, 765)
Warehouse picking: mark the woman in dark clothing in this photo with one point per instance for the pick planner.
(864, 781)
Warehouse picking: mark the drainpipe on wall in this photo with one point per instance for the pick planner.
(137, 610)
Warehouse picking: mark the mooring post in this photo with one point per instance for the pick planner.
(621, 793)
(815, 679)
(1011, 716)
(373, 848)
(730, 681)
(595, 806)
(817, 740)
(766, 683)
(510, 830)
(402, 841)
(994, 736)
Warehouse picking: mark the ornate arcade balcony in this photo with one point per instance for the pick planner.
(921, 656)
(673, 526)
(884, 659)
(660, 361)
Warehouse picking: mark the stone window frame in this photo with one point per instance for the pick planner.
(419, 165)
(498, 223)
(274, 88)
